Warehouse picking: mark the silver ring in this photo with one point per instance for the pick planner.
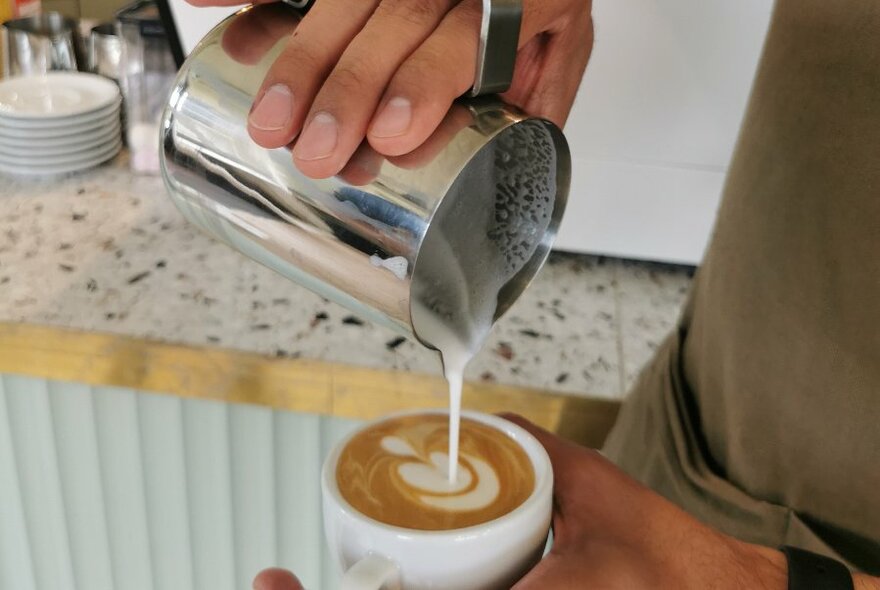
(301, 5)
(499, 38)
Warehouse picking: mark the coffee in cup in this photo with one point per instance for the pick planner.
(396, 473)
(389, 510)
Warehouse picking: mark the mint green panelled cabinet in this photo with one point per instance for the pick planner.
(106, 488)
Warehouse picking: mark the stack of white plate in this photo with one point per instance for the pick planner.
(58, 123)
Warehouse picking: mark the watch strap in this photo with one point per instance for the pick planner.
(811, 571)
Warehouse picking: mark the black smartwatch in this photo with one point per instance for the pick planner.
(811, 571)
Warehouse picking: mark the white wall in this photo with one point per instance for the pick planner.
(655, 123)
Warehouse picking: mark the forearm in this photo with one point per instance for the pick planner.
(863, 582)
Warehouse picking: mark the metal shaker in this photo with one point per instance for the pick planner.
(42, 43)
(105, 51)
(449, 232)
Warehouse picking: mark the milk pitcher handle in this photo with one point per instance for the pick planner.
(499, 40)
(373, 572)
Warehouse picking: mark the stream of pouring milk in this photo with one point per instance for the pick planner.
(456, 357)
(453, 369)
(455, 353)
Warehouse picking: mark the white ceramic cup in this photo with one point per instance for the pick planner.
(491, 555)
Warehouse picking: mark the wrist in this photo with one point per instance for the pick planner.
(861, 582)
(767, 566)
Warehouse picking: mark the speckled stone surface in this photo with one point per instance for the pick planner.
(107, 251)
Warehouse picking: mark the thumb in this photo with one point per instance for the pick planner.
(569, 461)
(276, 578)
(554, 445)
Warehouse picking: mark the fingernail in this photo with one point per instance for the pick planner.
(394, 119)
(319, 139)
(274, 109)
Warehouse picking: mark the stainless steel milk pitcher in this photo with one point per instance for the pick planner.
(428, 237)
(42, 43)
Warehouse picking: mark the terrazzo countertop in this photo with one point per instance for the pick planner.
(107, 251)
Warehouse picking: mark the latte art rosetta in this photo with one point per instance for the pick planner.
(396, 472)
(475, 487)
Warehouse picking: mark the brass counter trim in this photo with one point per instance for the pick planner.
(287, 384)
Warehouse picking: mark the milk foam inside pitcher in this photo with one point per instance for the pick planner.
(486, 241)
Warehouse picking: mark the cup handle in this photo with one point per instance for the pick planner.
(373, 572)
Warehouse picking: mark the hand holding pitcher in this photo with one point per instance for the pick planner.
(388, 71)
